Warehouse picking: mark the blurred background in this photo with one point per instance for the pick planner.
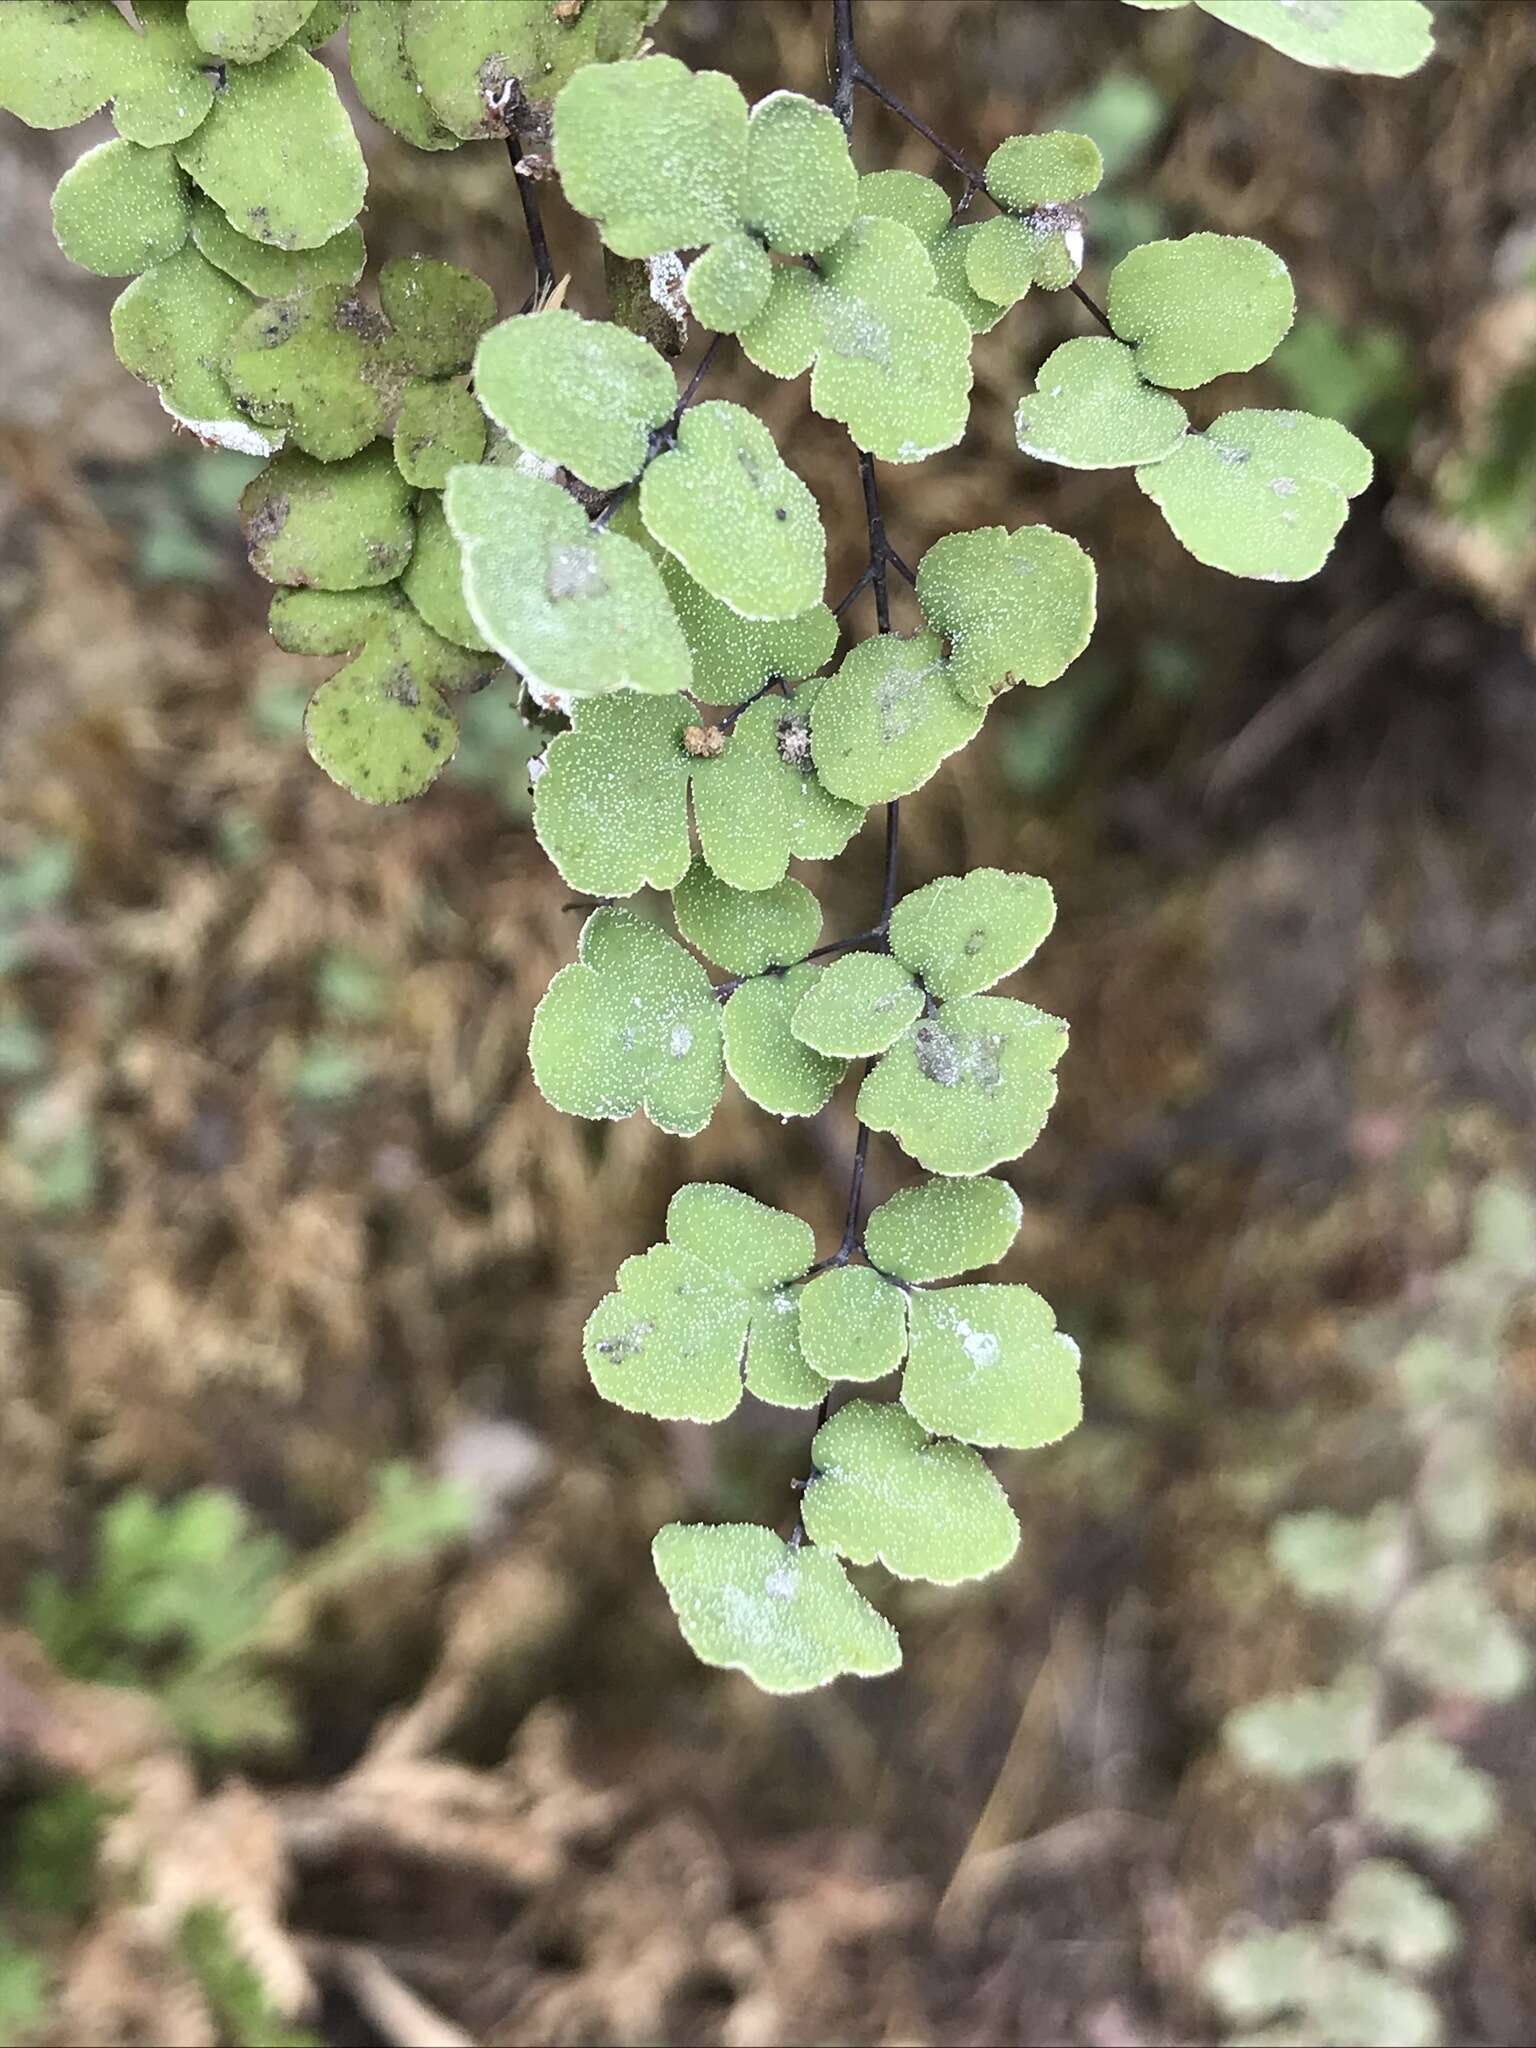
(338, 1701)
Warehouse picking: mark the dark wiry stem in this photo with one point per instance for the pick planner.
(528, 193)
(975, 178)
(1093, 306)
(665, 436)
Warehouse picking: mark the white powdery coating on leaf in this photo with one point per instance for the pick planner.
(239, 436)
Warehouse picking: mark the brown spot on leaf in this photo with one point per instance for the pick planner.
(704, 742)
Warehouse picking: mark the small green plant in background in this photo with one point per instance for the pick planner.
(448, 493)
(236, 1998)
(1417, 1629)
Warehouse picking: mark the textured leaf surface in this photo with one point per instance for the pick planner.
(1015, 607)
(1446, 1633)
(1267, 1972)
(1316, 1728)
(799, 188)
(1387, 37)
(119, 208)
(762, 801)
(318, 366)
(653, 152)
(571, 608)
(853, 1324)
(923, 206)
(245, 31)
(1028, 171)
(858, 1006)
(159, 81)
(583, 393)
(632, 1024)
(963, 933)
(439, 426)
(1418, 1786)
(1388, 1910)
(438, 312)
(768, 1063)
(59, 64)
(728, 285)
(278, 153)
(1344, 1560)
(1004, 256)
(386, 83)
(788, 1618)
(988, 1365)
(432, 578)
(943, 1228)
(967, 1089)
(1260, 494)
(379, 727)
(275, 273)
(742, 524)
(1200, 307)
(329, 525)
(170, 327)
(746, 931)
(758, 1248)
(887, 718)
(881, 1491)
(734, 657)
(467, 57)
(1090, 409)
(611, 808)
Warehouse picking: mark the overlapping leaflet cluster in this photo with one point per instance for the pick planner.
(446, 491)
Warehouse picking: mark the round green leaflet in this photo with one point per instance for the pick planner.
(734, 657)
(438, 312)
(170, 327)
(742, 524)
(1447, 1634)
(439, 426)
(767, 1062)
(1317, 1728)
(921, 205)
(969, 1088)
(884, 722)
(857, 1007)
(631, 1024)
(1090, 409)
(582, 393)
(58, 65)
(800, 189)
(943, 1228)
(476, 64)
(611, 808)
(988, 1365)
(321, 367)
(1418, 1787)
(570, 607)
(653, 152)
(275, 273)
(1386, 1908)
(880, 1490)
(785, 1616)
(1261, 1975)
(431, 578)
(1200, 307)
(379, 733)
(1387, 37)
(245, 31)
(278, 153)
(1015, 607)
(329, 525)
(762, 801)
(1260, 494)
(963, 933)
(1028, 171)
(745, 931)
(386, 84)
(119, 208)
(728, 284)
(853, 1324)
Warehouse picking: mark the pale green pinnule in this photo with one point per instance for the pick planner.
(433, 580)
(1015, 607)
(161, 85)
(119, 209)
(631, 1024)
(1419, 1788)
(729, 283)
(988, 1365)
(734, 657)
(1502, 1237)
(439, 427)
(1091, 409)
(669, 1341)
(377, 730)
(965, 1090)
(275, 273)
(950, 255)
(1267, 1972)
(1357, 1562)
(1446, 1634)
(784, 337)
(245, 31)
(1299, 1981)
(787, 1617)
(755, 1246)
(438, 311)
(478, 64)
(326, 621)
(857, 1007)
(745, 931)
(1299, 1734)
(321, 366)
(764, 1058)
(1260, 494)
(887, 718)
(611, 808)
(386, 84)
(1004, 257)
(1352, 2001)
(800, 189)
(775, 1369)
(278, 153)
(1389, 38)
(583, 393)
(963, 933)
(853, 1324)
(653, 152)
(923, 206)
(59, 64)
(943, 1228)
(329, 525)
(571, 608)
(762, 802)
(1029, 171)
(170, 327)
(325, 20)
(880, 1490)
(1200, 307)
(738, 519)
(1386, 1909)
